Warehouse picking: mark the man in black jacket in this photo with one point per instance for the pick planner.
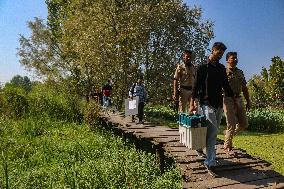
(211, 81)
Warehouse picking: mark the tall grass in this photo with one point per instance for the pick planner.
(42, 153)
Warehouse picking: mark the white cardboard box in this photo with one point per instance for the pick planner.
(196, 138)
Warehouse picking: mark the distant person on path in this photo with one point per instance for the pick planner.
(138, 89)
(107, 90)
(234, 108)
(211, 80)
(183, 81)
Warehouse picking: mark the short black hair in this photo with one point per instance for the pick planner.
(231, 54)
(187, 51)
(219, 45)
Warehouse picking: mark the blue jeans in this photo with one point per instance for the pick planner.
(106, 101)
(213, 116)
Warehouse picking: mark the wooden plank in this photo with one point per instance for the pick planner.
(176, 144)
(137, 127)
(198, 167)
(165, 140)
(150, 135)
(234, 177)
(222, 162)
(272, 183)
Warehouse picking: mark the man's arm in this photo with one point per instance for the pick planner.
(245, 91)
(145, 95)
(175, 90)
(226, 86)
(175, 84)
(246, 95)
(131, 91)
(195, 88)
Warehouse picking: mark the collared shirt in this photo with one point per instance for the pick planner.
(138, 90)
(236, 79)
(185, 75)
(211, 80)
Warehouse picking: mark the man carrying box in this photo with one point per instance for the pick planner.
(211, 80)
(138, 89)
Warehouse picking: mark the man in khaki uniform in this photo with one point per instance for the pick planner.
(183, 81)
(234, 109)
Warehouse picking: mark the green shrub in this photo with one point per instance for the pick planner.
(263, 120)
(17, 104)
(91, 112)
(14, 102)
(55, 105)
(162, 112)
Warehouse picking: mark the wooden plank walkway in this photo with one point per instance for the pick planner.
(238, 171)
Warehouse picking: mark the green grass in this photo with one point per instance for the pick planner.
(269, 147)
(44, 153)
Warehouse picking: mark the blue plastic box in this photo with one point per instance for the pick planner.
(192, 120)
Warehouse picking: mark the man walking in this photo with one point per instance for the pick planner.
(107, 90)
(183, 81)
(138, 89)
(234, 109)
(211, 80)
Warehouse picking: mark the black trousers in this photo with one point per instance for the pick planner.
(140, 111)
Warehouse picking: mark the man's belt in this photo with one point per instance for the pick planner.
(186, 87)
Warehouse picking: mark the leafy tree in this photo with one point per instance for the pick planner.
(276, 78)
(22, 82)
(86, 42)
(267, 89)
(258, 94)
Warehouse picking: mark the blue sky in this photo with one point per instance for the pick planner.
(253, 28)
(14, 15)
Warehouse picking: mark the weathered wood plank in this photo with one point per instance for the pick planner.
(272, 183)
(232, 177)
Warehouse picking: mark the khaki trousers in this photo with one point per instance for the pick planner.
(184, 100)
(236, 117)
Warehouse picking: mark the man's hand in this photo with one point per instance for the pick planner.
(175, 97)
(192, 105)
(192, 108)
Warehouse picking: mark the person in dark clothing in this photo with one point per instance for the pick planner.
(211, 81)
(138, 89)
(106, 91)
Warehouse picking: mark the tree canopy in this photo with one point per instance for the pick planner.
(20, 82)
(85, 42)
(267, 89)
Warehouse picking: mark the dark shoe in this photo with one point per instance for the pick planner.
(140, 122)
(200, 153)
